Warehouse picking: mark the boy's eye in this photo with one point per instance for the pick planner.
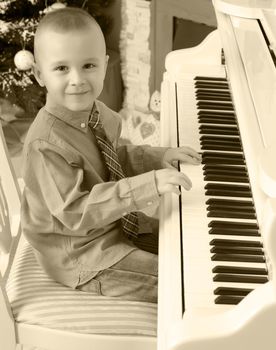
(89, 66)
(61, 68)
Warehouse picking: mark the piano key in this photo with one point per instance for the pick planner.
(223, 154)
(233, 232)
(237, 257)
(222, 113)
(230, 209)
(231, 202)
(216, 121)
(218, 130)
(225, 178)
(235, 242)
(215, 106)
(213, 97)
(221, 160)
(240, 270)
(220, 277)
(233, 225)
(230, 214)
(212, 83)
(212, 146)
(231, 206)
(222, 168)
(228, 299)
(232, 291)
(237, 250)
(199, 77)
(212, 86)
(221, 139)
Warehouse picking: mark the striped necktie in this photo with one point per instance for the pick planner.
(129, 221)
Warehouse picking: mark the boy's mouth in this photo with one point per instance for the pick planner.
(77, 93)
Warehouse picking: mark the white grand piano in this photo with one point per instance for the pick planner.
(217, 283)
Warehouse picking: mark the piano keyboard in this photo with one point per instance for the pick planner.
(223, 255)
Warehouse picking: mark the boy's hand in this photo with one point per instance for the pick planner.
(169, 180)
(182, 154)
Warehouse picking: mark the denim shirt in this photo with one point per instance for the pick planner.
(70, 210)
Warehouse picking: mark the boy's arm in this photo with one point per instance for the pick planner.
(140, 159)
(58, 181)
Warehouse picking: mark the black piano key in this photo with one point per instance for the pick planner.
(224, 193)
(227, 190)
(222, 160)
(211, 83)
(234, 232)
(217, 114)
(216, 121)
(220, 277)
(220, 139)
(228, 299)
(223, 154)
(232, 291)
(225, 178)
(215, 86)
(228, 187)
(213, 97)
(230, 202)
(234, 225)
(215, 106)
(240, 270)
(230, 214)
(201, 77)
(235, 242)
(222, 168)
(238, 258)
(218, 130)
(219, 146)
(237, 250)
(231, 207)
(223, 143)
(212, 146)
(205, 92)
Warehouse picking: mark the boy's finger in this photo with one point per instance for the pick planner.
(181, 179)
(190, 152)
(189, 159)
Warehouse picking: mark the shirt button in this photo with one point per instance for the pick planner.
(82, 125)
(149, 203)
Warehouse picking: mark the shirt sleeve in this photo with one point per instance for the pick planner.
(59, 180)
(139, 159)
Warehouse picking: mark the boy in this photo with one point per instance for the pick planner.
(79, 211)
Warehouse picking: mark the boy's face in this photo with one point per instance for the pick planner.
(72, 67)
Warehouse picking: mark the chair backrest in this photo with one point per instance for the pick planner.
(9, 237)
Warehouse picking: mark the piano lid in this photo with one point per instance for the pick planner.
(245, 8)
(253, 44)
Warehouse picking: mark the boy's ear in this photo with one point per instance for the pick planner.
(106, 63)
(37, 74)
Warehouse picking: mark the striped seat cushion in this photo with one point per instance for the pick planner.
(37, 299)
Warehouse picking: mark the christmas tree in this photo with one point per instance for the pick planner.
(18, 21)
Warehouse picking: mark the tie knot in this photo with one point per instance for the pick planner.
(95, 119)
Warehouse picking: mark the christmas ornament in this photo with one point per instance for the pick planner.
(56, 6)
(24, 60)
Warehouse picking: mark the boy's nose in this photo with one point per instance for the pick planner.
(76, 78)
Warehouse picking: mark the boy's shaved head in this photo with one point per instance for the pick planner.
(65, 20)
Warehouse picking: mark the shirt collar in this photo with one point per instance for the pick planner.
(78, 120)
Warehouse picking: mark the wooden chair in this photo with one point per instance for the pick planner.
(39, 313)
